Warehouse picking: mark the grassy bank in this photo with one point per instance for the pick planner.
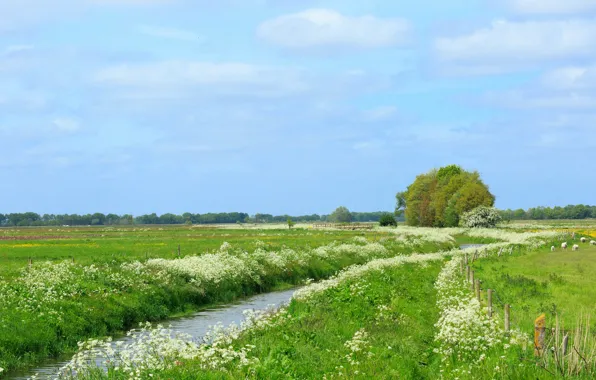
(376, 325)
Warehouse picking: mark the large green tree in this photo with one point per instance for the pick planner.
(439, 197)
(341, 215)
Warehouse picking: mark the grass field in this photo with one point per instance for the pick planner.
(385, 313)
(560, 283)
(123, 276)
(557, 222)
(106, 244)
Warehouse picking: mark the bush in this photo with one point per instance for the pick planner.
(387, 220)
(481, 217)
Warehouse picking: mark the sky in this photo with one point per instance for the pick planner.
(288, 106)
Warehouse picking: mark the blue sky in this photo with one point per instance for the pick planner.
(287, 106)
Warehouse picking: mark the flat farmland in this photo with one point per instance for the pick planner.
(91, 282)
(88, 245)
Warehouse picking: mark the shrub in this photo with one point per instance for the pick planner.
(481, 217)
(387, 220)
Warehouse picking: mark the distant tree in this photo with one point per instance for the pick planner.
(290, 223)
(519, 214)
(127, 219)
(98, 219)
(188, 218)
(400, 203)
(472, 195)
(439, 197)
(419, 211)
(387, 220)
(341, 215)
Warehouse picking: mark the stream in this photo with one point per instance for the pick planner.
(195, 325)
(465, 246)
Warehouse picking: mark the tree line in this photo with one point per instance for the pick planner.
(98, 219)
(542, 213)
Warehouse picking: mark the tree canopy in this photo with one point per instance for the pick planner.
(341, 215)
(438, 198)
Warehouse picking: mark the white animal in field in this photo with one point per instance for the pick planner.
(552, 249)
(564, 245)
(593, 242)
(583, 240)
(575, 247)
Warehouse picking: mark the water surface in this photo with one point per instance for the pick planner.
(195, 325)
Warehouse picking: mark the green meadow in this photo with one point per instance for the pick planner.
(91, 282)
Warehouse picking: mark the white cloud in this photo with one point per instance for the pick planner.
(170, 80)
(131, 2)
(16, 15)
(175, 77)
(508, 45)
(170, 33)
(323, 28)
(67, 125)
(571, 78)
(564, 88)
(381, 113)
(540, 99)
(552, 6)
(371, 148)
(12, 49)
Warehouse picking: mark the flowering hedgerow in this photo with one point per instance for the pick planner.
(481, 217)
(466, 335)
(40, 289)
(356, 271)
(414, 236)
(228, 265)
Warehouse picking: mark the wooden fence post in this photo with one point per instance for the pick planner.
(478, 290)
(468, 272)
(489, 297)
(539, 332)
(507, 317)
(472, 280)
(565, 343)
